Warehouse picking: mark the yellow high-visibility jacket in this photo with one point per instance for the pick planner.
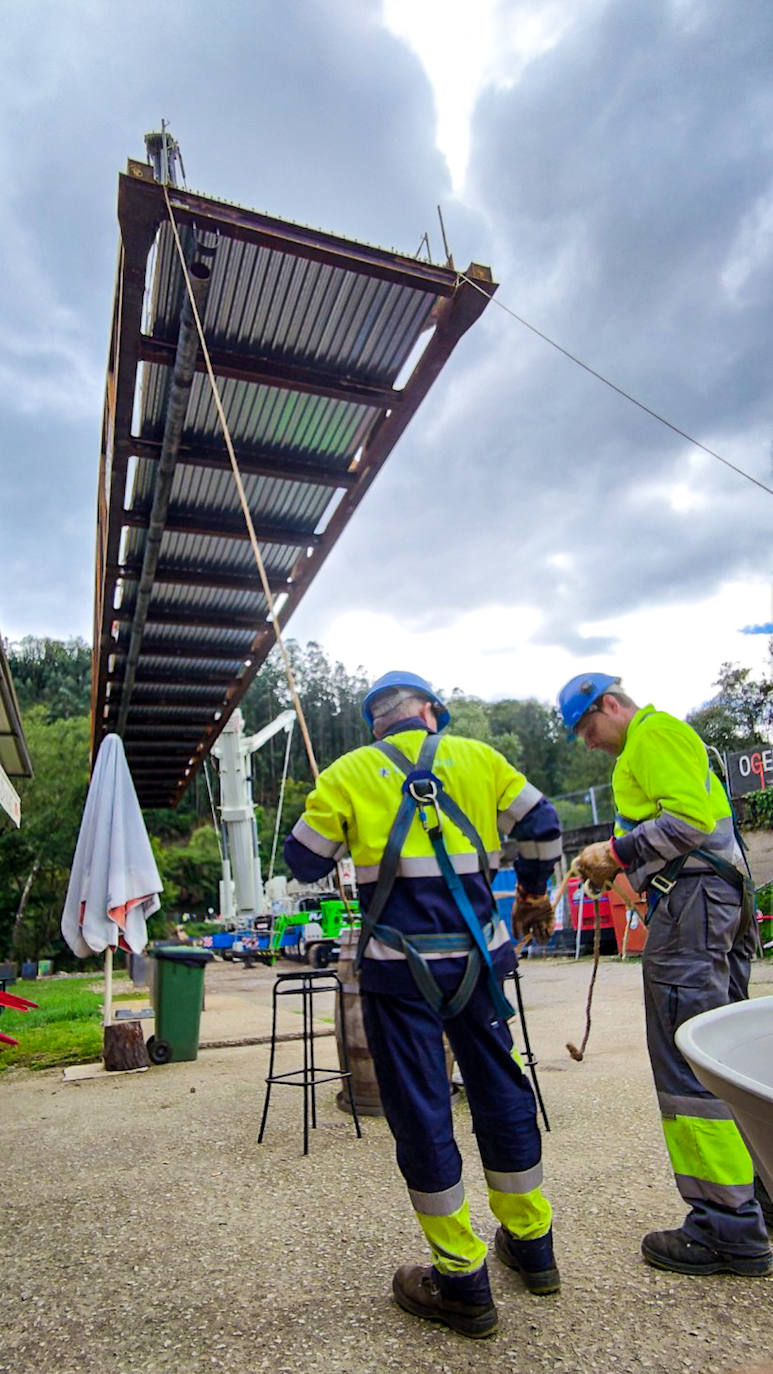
(667, 799)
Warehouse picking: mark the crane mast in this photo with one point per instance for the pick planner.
(241, 886)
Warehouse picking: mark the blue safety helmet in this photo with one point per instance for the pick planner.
(414, 683)
(580, 693)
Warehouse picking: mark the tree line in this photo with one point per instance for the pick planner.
(52, 682)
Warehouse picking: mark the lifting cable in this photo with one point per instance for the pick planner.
(215, 821)
(280, 803)
(248, 517)
(614, 387)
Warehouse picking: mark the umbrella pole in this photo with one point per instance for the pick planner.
(107, 1019)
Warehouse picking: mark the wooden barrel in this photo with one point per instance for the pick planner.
(363, 1080)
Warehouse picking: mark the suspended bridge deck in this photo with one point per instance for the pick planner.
(308, 336)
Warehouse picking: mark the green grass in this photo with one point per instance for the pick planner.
(66, 1027)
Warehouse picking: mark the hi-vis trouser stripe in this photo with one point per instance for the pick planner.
(707, 1153)
(445, 1220)
(515, 1199)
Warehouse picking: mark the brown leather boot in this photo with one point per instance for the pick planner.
(417, 1289)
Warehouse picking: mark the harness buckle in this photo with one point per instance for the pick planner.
(424, 791)
(661, 884)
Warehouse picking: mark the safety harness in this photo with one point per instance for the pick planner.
(662, 883)
(422, 790)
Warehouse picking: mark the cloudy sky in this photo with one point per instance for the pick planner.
(610, 159)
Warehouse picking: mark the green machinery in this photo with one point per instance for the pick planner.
(311, 936)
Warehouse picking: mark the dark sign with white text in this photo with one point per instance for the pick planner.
(750, 771)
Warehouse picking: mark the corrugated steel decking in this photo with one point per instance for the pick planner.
(308, 334)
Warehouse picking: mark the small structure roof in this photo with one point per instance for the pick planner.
(14, 756)
(308, 335)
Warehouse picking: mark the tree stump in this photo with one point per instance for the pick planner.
(124, 1046)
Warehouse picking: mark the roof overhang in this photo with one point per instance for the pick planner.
(14, 756)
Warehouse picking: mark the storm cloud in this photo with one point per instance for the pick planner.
(621, 190)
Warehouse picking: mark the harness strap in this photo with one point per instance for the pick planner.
(661, 883)
(418, 773)
(445, 1007)
(447, 805)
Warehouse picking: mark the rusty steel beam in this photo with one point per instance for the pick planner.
(216, 525)
(200, 617)
(193, 649)
(138, 221)
(160, 733)
(454, 318)
(183, 361)
(249, 226)
(456, 304)
(306, 381)
(252, 463)
(147, 678)
(205, 575)
(173, 757)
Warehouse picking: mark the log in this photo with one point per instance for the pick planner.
(124, 1046)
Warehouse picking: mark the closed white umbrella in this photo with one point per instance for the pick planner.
(114, 883)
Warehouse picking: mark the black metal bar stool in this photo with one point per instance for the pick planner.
(307, 985)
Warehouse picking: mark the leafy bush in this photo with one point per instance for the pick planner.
(759, 810)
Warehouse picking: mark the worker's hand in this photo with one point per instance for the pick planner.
(532, 915)
(597, 865)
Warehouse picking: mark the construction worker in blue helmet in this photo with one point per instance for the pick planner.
(421, 810)
(675, 839)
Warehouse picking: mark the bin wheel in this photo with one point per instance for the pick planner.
(158, 1051)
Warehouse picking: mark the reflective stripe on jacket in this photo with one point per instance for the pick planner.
(353, 805)
(355, 800)
(670, 800)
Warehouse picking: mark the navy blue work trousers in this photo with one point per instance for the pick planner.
(406, 1041)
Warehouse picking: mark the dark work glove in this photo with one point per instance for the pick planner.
(533, 916)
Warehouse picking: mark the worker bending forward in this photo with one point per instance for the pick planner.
(420, 813)
(674, 837)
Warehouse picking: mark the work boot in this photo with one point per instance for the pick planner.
(763, 1198)
(533, 1259)
(676, 1251)
(422, 1291)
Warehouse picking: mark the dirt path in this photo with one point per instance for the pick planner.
(145, 1229)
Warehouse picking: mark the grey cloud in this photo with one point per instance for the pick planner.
(618, 191)
(311, 111)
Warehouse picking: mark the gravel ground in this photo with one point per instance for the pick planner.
(145, 1229)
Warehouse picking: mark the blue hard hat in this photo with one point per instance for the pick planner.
(579, 693)
(414, 683)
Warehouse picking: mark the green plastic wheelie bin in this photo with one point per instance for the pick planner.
(179, 993)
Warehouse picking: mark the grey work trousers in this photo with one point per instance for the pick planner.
(696, 958)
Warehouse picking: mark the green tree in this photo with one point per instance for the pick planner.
(737, 716)
(53, 674)
(192, 870)
(528, 733)
(469, 717)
